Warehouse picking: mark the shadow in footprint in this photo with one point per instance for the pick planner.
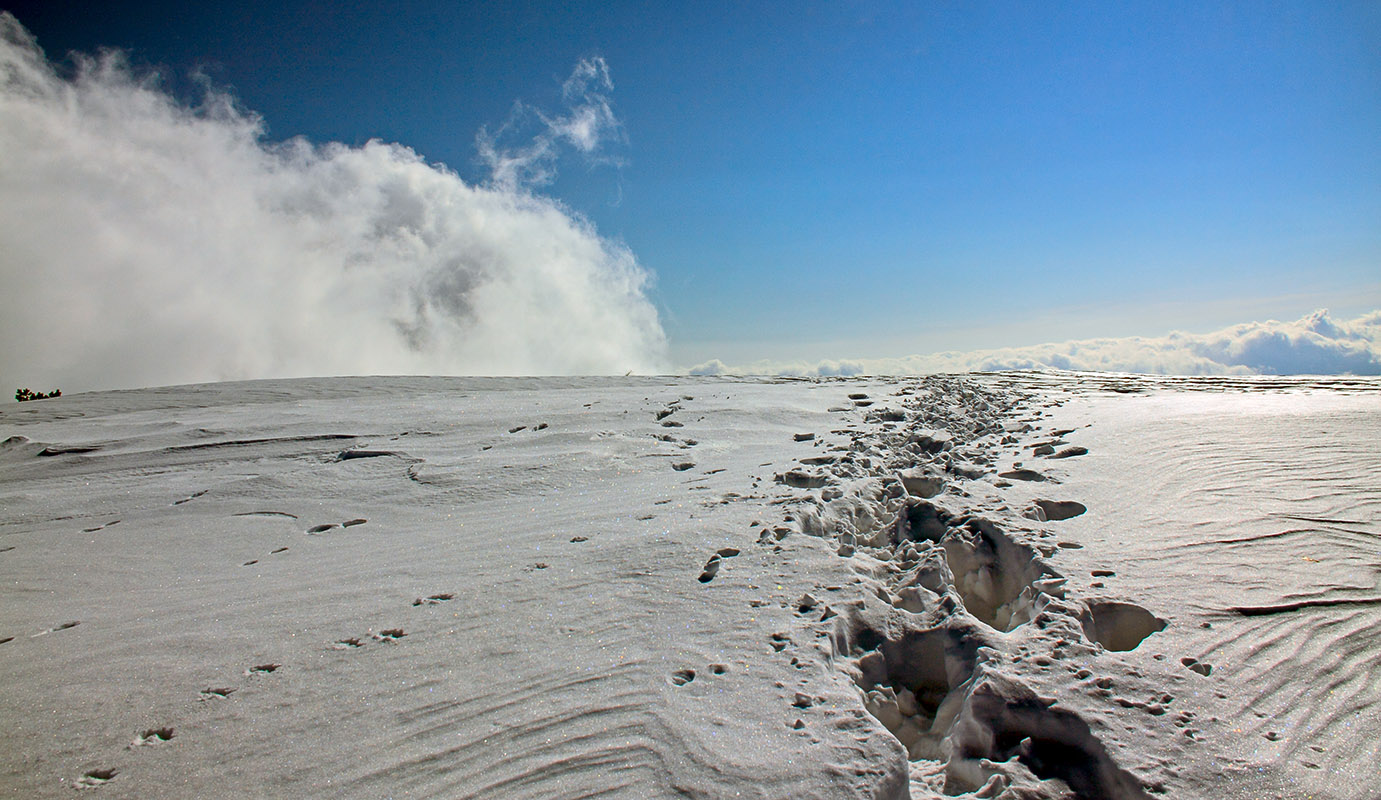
(351, 455)
(1197, 665)
(1070, 452)
(433, 599)
(1056, 510)
(64, 626)
(712, 566)
(1119, 626)
(96, 777)
(153, 736)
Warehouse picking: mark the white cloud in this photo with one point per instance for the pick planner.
(1315, 344)
(525, 149)
(148, 242)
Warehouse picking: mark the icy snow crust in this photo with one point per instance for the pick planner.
(1001, 586)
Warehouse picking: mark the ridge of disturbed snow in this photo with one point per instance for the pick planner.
(959, 600)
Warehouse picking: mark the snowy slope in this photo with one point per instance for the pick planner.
(705, 587)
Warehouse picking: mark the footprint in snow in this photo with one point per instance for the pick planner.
(712, 566)
(94, 778)
(326, 526)
(433, 599)
(1197, 665)
(153, 736)
(1070, 452)
(64, 626)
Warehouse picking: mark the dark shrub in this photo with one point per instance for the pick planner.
(23, 395)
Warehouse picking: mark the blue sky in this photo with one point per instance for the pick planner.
(830, 180)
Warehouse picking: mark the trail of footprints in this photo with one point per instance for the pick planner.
(315, 530)
(151, 737)
(942, 563)
(681, 677)
(95, 778)
(327, 526)
(663, 416)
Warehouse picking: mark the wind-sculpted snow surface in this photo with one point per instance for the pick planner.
(1015, 586)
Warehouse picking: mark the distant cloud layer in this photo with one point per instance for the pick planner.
(1315, 345)
(146, 242)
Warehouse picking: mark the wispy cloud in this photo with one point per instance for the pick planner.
(1316, 344)
(146, 241)
(524, 150)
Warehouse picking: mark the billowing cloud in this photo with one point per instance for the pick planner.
(145, 241)
(1314, 345)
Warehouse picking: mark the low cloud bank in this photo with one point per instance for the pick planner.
(149, 242)
(1314, 345)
